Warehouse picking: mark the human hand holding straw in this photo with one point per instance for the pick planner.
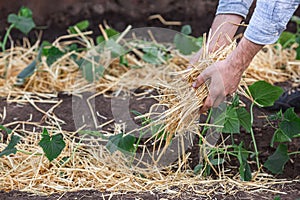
(265, 27)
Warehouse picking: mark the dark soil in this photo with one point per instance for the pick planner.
(66, 110)
(57, 16)
(54, 18)
(291, 190)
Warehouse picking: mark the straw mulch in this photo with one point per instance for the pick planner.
(89, 165)
(274, 64)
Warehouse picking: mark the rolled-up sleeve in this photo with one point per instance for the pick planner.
(269, 20)
(238, 7)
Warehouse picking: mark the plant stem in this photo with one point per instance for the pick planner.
(29, 153)
(253, 137)
(207, 120)
(293, 153)
(6, 36)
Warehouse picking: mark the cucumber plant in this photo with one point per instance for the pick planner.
(287, 38)
(22, 21)
(52, 145)
(233, 117)
(288, 128)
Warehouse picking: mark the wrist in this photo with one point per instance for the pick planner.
(242, 56)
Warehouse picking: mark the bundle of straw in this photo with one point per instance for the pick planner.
(182, 101)
(273, 64)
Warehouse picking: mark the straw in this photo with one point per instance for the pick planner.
(89, 165)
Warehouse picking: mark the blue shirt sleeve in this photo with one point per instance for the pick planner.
(269, 20)
(239, 7)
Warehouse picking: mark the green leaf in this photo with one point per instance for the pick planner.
(7, 130)
(124, 61)
(290, 126)
(244, 169)
(264, 93)
(276, 117)
(298, 52)
(280, 136)
(100, 39)
(151, 55)
(52, 145)
(72, 47)
(231, 123)
(24, 24)
(217, 161)
(244, 119)
(115, 48)
(295, 19)
(91, 72)
(277, 198)
(186, 44)
(290, 115)
(25, 12)
(53, 54)
(92, 133)
(276, 162)
(235, 102)
(83, 25)
(11, 149)
(121, 142)
(186, 29)
(286, 39)
(110, 32)
(198, 168)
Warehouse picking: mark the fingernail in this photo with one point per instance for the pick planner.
(194, 84)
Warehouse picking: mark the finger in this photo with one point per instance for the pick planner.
(199, 81)
(219, 99)
(206, 105)
(204, 76)
(196, 57)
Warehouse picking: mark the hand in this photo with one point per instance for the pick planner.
(224, 77)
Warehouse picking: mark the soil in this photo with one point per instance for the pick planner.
(65, 111)
(54, 18)
(58, 16)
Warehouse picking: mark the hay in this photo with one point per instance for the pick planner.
(89, 165)
(181, 100)
(274, 64)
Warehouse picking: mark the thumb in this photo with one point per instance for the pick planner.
(206, 105)
(199, 81)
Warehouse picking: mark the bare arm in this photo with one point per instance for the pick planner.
(223, 26)
(266, 25)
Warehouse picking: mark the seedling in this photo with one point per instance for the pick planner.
(288, 128)
(287, 38)
(22, 21)
(51, 145)
(185, 43)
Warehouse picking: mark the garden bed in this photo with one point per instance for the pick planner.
(50, 105)
(286, 186)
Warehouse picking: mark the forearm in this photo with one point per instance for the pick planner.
(229, 14)
(224, 25)
(242, 56)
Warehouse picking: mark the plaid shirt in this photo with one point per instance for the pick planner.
(269, 19)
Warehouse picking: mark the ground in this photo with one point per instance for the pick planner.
(263, 133)
(199, 14)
